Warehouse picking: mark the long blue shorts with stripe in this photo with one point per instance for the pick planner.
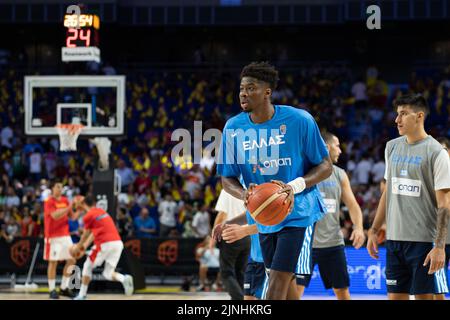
(281, 250)
(305, 261)
(405, 272)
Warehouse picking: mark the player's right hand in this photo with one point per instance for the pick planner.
(248, 193)
(372, 244)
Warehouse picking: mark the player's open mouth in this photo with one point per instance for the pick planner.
(244, 104)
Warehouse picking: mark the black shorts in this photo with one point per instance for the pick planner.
(281, 250)
(332, 267)
(255, 275)
(405, 272)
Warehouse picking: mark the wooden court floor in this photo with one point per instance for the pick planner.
(153, 293)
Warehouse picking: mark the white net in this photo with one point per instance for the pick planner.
(68, 135)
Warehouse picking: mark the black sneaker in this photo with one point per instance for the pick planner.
(67, 293)
(54, 294)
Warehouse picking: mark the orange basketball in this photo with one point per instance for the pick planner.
(78, 255)
(266, 205)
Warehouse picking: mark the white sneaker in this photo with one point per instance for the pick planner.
(128, 285)
(79, 297)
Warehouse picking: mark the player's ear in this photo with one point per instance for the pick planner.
(268, 92)
(420, 115)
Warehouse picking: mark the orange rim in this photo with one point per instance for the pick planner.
(71, 128)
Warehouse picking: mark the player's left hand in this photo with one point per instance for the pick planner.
(285, 188)
(436, 258)
(233, 232)
(358, 238)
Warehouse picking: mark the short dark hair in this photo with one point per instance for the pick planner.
(89, 200)
(327, 137)
(54, 181)
(262, 71)
(417, 102)
(445, 141)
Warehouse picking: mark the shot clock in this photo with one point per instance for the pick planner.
(82, 38)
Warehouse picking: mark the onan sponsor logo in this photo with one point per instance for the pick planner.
(330, 204)
(406, 187)
(275, 163)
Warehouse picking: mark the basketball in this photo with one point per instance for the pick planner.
(266, 205)
(76, 202)
(76, 255)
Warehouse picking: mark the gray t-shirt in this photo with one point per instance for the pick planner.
(413, 173)
(328, 230)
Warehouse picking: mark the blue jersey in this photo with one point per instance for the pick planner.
(283, 148)
(255, 249)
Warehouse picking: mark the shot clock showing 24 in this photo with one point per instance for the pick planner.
(82, 39)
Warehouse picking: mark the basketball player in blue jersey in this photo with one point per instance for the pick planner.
(415, 205)
(269, 142)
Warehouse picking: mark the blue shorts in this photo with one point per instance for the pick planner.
(281, 250)
(405, 272)
(332, 267)
(447, 258)
(255, 275)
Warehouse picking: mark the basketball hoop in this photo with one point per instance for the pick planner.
(68, 135)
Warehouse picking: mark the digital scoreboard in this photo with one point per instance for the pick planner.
(82, 38)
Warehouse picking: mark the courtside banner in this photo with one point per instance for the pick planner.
(367, 275)
(157, 256)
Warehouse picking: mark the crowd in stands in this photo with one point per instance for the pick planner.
(168, 197)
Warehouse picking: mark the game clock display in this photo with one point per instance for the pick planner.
(82, 38)
(86, 35)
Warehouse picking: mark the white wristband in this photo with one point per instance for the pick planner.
(298, 185)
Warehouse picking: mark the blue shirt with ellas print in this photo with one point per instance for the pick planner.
(283, 148)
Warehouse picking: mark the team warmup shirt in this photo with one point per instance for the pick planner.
(283, 148)
(328, 230)
(55, 227)
(413, 173)
(102, 226)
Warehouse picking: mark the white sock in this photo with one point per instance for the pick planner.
(119, 277)
(51, 284)
(65, 282)
(83, 290)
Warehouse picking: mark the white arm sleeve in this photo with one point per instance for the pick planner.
(442, 171)
(298, 184)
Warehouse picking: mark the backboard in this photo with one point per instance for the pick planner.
(97, 102)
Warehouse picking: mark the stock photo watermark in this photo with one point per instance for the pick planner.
(259, 148)
(374, 17)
